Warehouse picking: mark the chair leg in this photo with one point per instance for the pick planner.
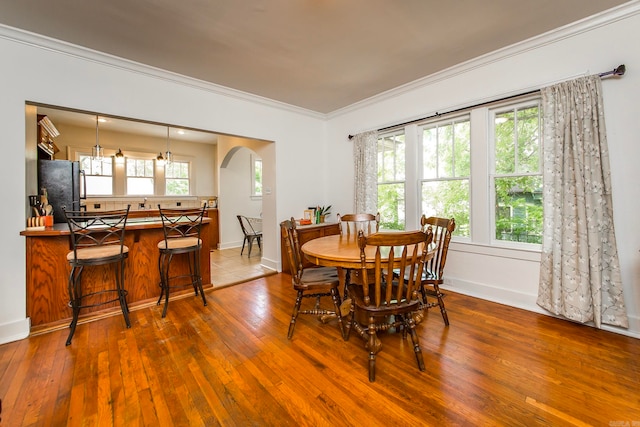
(411, 325)
(74, 299)
(243, 242)
(122, 297)
(443, 310)
(167, 265)
(250, 240)
(294, 316)
(198, 275)
(335, 296)
(373, 349)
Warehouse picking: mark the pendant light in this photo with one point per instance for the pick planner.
(119, 156)
(97, 153)
(160, 160)
(168, 157)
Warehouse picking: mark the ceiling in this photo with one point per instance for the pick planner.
(321, 55)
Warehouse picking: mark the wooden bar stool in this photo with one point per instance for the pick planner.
(97, 239)
(181, 237)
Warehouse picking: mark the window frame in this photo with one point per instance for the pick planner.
(153, 175)
(79, 156)
(449, 120)
(495, 110)
(393, 134)
(252, 170)
(188, 179)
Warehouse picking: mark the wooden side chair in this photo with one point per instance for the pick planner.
(386, 295)
(433, 274)
(250, 233)
(352, 223)
(181, 229)
(311, 282)
(97, 238)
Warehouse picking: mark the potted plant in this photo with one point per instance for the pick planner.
(321, 212)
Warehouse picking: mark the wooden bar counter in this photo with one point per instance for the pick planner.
(48, 271)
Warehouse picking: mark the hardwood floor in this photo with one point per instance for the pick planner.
(230, 363)
(228, 267)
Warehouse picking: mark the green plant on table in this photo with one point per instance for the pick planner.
(324, 210)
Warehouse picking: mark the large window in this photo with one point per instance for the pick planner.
(444, 184)
(176, 176)
(139, 176)
(516, 178)
(99, 175)
(481, 166)
(391, 180)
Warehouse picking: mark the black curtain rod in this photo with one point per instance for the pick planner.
(618, 71)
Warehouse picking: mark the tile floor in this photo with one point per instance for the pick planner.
(228, 267)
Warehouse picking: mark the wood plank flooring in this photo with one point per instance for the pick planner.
(230, 364)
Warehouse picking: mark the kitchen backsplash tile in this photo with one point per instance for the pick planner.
(140, 204)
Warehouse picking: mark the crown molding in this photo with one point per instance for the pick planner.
(39, 41)
(570, 30)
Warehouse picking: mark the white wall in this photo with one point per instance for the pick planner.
(505, 276)
(88, 81)
(236, 195)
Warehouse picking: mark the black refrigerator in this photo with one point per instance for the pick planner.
(64, 182)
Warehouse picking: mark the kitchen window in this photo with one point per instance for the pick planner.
(140, 177)
(176, 175)
(99, 175)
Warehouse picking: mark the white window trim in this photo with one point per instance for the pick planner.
(492, 175)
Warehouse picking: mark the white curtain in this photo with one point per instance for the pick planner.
(365, 158)
(580, 273)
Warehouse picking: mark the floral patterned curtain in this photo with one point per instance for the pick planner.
(365, 162)
(580, 273)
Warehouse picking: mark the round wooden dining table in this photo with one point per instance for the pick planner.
(335, 251)
(341, 251)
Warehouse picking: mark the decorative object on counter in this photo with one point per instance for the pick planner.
(213, 202)
(308, 215)
(97, 152)
(321, 213)
(39, 222)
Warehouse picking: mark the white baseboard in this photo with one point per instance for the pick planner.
(15, 331)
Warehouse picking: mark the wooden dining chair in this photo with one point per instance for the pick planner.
(387, 300)
(433, 274)
(310, 282)
(352, 223)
